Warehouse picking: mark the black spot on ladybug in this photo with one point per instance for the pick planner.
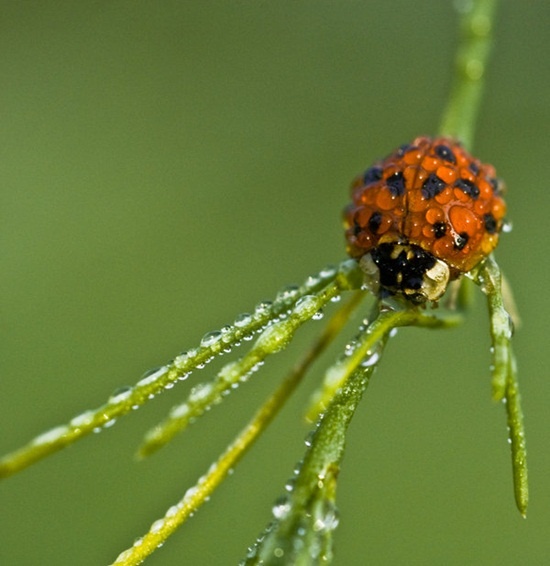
(474, 167)
(490, 223)
(468, 187)
(461, 240)
(439, 228)
(445, 153)
(432, 186)
(402, 149)
(372, 175)
(396, 184)
(374, 222)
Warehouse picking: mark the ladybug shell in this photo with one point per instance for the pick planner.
(431, 194)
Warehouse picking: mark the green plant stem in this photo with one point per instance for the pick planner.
(517, 440)
(460, 115)
(205, 396)
(197, 495)
(504, 383)
(489, 278)
(327, 284)
(302, 531)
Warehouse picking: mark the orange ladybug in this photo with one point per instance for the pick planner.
(422, 217)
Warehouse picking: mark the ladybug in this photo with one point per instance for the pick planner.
(422, 217)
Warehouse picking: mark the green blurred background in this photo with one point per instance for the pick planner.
(166, 165)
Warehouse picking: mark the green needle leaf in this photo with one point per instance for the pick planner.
(196, 496)
(505, 384)
(459, 118)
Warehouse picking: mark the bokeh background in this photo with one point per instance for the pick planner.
(166, 165)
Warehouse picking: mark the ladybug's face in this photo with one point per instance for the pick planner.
(407, 270)
(422, 217)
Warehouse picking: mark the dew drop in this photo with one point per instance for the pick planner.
(350, 348)
(317, 316)
(172, 511)
(252, 550)
(263, 307)
(152, 371)
(151, 376)
(227, 333)
(210, 339)
(312, 281)
(336, 299)
(179, 411)
(507, 226)
(370, 360)
(332, 519)
(306, 306)
(281, 508)
(287, 294)
(124, 556)
(243, 319)
(52, 435)
(84, 419)
(157, 526)
(200, 392)
(181, 359)
(348, 266)
(192, 491)
(328, 522)
(120, 395)
(328, 272)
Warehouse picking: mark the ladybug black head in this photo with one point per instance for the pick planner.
(406, 270)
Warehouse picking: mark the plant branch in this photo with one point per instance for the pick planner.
(460, 116)
(197, 495)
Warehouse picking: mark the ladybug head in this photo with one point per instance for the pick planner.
(405, 270)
